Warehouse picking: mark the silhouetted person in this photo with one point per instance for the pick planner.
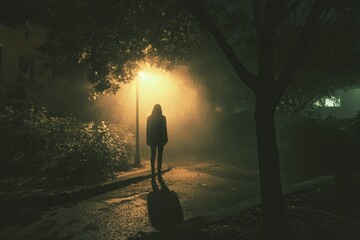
(156, 136)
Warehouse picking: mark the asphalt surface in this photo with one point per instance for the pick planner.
(122, 213)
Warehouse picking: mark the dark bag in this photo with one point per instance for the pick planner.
(164, 209)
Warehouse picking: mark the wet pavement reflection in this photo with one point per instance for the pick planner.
(133, 210)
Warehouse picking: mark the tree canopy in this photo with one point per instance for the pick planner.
(330, 60)
(111, 37)
(265, 42)
(270, 80)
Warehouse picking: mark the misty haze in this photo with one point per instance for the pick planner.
(176, 119)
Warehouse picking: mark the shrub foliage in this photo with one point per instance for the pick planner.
(35, 143)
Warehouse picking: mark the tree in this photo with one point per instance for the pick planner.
(267, 88)
(110, 45)
(331, 61)
(109, 38)
(331, 58)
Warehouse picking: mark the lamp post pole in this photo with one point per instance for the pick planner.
(137, 151)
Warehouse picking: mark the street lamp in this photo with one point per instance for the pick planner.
(137, 150)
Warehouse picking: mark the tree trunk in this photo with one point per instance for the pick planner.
(269, 167)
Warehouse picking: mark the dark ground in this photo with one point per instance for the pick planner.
(202, 187)
(326, 212)
(122, 213)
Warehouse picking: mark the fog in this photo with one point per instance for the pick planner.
(198, 101)
(194, 115)
(190, 116)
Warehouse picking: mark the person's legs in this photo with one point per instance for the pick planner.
(160, 153)
(152, 159)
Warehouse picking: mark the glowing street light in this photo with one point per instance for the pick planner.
(137, 150)
(155, 87)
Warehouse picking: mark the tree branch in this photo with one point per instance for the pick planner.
(287, 10)
(298, 52)
(292, 6)
(257, 14)
(266, 54)
(266, 43)
(194, 9)
(326, 17)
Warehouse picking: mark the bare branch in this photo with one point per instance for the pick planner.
(292, 6)
(194, 9)
(298, 52)
(266, 55)
(266, 43)
(257, 14)
(287, 10)
(326, 19)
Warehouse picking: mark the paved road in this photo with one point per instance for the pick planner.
(123, 212)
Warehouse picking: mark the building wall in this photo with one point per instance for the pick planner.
(13, 45)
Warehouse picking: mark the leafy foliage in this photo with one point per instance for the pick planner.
(111, 37)
(35, 143)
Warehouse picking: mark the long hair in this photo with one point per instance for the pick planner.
(157, 111)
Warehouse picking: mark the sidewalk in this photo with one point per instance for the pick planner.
(78, 194)
(213, 217)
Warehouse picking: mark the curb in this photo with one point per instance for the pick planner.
(79, 195)
(217, 215)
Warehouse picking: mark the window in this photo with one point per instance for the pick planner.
(25, 69)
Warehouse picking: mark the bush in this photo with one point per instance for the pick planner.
(330, 145)
(37, 144)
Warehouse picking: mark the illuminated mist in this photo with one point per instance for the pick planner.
(188, 113)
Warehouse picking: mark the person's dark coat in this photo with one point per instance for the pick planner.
(156, 130)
